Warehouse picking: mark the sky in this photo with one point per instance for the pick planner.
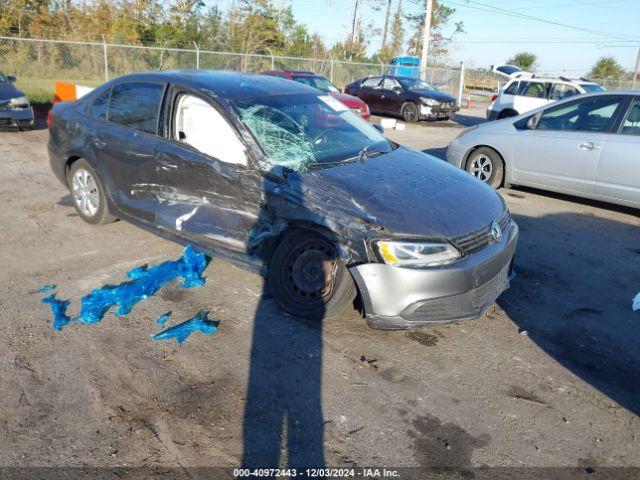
(491, 37)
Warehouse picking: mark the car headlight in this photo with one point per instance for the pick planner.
(18, 101)
(417, 254)
(430, 102)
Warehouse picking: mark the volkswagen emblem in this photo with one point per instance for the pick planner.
(496, 232)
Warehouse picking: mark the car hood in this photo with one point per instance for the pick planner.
(8, 91)
(405, 192)
(439, 96)
(349, 100)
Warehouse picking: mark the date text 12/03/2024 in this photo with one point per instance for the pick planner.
(367, 473)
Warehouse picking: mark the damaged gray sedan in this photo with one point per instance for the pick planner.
(282, 179)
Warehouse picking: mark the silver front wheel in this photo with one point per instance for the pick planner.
(85, 192)
(481, 167)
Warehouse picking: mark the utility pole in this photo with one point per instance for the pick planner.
(425, 38)
(355, 19)
(637, 70)
(386, 25)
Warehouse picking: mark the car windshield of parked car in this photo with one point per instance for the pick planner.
(415, 85)
(302, 132)
(320, 83)
(592, 87)
(3, 79)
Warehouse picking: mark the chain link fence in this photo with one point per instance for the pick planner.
(40, 63)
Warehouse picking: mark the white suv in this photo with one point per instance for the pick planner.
(527, 92)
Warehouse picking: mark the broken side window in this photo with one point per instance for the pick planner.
(198, 124)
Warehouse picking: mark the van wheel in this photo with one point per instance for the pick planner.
(410, 112)
(307, 278)
(485, 164)
(88, 194)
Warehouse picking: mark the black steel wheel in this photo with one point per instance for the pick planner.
(307, 278)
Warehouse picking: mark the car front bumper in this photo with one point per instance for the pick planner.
(430, 113)
(19, 118)
(402, 298)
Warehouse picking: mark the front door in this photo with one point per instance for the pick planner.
(562, 152)
(206, 189)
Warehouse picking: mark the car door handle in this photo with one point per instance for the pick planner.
(99, 143)
(166, 165)
(589, 146)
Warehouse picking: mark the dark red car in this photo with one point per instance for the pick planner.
(318, 81)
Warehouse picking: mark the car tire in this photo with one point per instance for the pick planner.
(88, 194)
(506, 113)
(294, 279)
(486, 165)
(410, 112)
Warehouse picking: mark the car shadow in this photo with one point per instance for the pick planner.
(440, 152)
(468, 120)
(514, 192)
(283, 420)
(576, 277)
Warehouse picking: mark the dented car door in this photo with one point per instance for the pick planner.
(206, 186)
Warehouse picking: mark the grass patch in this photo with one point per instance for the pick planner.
(41, 90)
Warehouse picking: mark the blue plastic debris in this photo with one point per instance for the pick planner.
(182, 331)
(59, 310)
(145, 282)
(162, 319)
(46, 288)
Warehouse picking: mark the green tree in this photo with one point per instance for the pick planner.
(606, 67)
(438, 45)
(524, 60)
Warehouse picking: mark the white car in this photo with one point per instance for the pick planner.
(586, 146)
(527, 92)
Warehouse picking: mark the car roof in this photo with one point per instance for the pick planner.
(298, 73)
(227, 84)
(542, 78)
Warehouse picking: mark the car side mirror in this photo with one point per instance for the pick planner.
(532, 123)
(397, 90)
(12, 79)
(379, 127)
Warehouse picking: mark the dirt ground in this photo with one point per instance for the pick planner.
(548, 377)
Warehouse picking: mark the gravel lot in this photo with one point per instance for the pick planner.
(548, 377)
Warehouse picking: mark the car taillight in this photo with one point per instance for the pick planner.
(49, 119)
(493, 98)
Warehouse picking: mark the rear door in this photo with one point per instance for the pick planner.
(370, 93)
(127, 146)
(209, 191)
(562, 152)
(618, 174)
(530, 95)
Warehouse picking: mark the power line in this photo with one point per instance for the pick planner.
(492, 9)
